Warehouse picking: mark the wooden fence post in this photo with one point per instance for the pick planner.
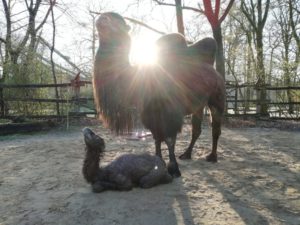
(258, 103)
(76, 87)
(2, 109)
(236, 99)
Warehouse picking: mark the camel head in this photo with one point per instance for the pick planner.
(93, 141)
(111, 27)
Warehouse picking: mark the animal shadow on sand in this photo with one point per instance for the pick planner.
(254, 176)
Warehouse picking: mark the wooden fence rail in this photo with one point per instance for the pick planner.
(75, 100)
(80, 83)
(236, 104)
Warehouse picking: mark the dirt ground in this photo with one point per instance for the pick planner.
(256, 181)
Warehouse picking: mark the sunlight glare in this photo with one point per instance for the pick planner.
(143, 51)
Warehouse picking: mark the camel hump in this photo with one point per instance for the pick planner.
(205, 50)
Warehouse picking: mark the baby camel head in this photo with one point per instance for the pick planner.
(93, 141)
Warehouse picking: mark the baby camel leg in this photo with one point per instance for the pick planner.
(120, 183)
(155, 176)
(100, 186)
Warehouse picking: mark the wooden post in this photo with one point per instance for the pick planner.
(76, 88)
(258, 104)
(236, 99)
(2, 109)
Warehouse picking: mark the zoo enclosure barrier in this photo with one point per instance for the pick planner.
(283, 102)
(70, 100)
(241, 100)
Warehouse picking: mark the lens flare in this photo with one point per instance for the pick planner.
(143, 51)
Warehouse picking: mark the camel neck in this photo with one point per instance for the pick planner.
(91, 166)
(116, 55)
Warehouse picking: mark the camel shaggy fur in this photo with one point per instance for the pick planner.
(123, 173)
(183, 83)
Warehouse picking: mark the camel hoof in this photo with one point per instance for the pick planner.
(185, 156)
(174, 170)
(212, 158)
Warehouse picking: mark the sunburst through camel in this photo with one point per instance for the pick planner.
(182, 83)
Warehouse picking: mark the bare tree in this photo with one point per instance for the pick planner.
(13, 50)
(285, 22)
(13, 47)
(51, 56)
(257, 17)
(294, 15)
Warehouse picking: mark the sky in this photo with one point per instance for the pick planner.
(74, 25)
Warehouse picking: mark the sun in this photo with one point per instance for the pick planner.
(143, 51)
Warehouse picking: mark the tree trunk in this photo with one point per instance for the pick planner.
(262, 108)
(220, 63)
(249, 57)
(52, 61)
(179, 17)
(290, 98)
(287, 82)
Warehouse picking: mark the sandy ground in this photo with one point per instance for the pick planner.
(256, 181)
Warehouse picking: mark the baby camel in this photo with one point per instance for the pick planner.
(123, 173)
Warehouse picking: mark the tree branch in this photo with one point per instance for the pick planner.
(8, 25)
(297, 10)
(51, 56)
(31, 20)
(208, 11)
(43, 41)
(2, 40)
(26, 2)
(46, 16)
(293, 25)
(144, 25)
(183, 7)
(217, 8)
(136, 22)
(266, 12)
(226, 11)
(247, 14)
(36, 7)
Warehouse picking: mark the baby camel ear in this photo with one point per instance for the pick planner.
(128, 28)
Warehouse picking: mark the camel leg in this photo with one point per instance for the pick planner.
(166, 178)
(100, 186)
(158, 148)
(216, 132)
(196, 131)
(122, 182)
(154, 177)
(124, 185)
(173, 168)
